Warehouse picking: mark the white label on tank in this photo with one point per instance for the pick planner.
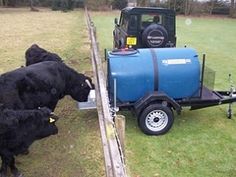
(176, 61)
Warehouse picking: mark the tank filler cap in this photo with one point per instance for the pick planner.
(124, 52)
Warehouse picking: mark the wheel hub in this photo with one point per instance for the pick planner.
(156, 120)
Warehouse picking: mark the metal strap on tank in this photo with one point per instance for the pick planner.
(155, 68)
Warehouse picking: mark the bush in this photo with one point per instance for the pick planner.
(119, 4)
(63, 5)
(98, 4)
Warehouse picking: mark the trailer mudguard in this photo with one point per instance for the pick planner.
(155, 97)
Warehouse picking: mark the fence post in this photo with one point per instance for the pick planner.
(120, 127)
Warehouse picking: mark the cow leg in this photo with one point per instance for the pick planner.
(3, 170)
(14, 170)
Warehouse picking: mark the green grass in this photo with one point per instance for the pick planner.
(201, 143)
(76, 150)
(215, 37)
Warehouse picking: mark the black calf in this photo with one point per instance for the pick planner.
(19, 129)
(35, 54)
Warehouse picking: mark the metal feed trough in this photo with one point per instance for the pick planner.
(90, 104)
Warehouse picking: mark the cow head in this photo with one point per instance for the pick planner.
(47, 115)
(80, 90)
(47, 126)
(43, 114)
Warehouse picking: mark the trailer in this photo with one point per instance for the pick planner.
(155, 82)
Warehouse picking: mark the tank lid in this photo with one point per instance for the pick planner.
(123, 52)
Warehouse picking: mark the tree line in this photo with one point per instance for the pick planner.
(195, 7)
(186, 7)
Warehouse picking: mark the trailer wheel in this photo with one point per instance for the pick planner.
(156, 119)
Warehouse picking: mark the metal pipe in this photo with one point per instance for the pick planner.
(115, 108)
(105, 54)
(202, 76)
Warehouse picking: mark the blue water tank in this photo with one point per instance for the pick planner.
(174, 71)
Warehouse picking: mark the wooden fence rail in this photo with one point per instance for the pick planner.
(113, 155)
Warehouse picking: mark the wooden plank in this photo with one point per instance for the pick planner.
(113, 155)
(107, 158)
(107, 161)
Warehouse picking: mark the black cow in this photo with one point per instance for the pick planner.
(18, 130)
(42, 85)
(36, 54)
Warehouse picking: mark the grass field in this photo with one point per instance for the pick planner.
(76, 150)
(201, 143)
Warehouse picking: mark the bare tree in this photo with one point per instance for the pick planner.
(211, 6)
(157, 3)
(186, 7)
(232, 8)
(142, 3)
(32, 8)
(172, 4)
(5, 3)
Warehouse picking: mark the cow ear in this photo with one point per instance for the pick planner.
(34, 46)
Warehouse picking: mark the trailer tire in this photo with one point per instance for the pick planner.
(156, 119)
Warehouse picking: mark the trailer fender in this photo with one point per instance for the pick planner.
(154, 98)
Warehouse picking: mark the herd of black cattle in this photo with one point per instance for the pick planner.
(28, 97)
